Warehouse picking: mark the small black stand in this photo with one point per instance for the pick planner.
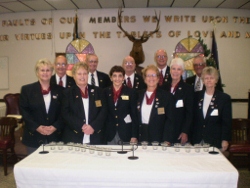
(121, 152)
(43, 152)
(213, 152)
(133, 150)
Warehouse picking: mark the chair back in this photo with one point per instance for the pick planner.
(7, 129)
(12, 103)
(241, 130)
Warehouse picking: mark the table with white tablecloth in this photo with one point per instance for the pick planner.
(153, 168)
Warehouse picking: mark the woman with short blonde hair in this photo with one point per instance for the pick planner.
(213, 113)
(40, 105)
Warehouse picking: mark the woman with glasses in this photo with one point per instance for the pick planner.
(154, 109)
(40, 105)
(183, 98)
(212, 113)
(83, 109)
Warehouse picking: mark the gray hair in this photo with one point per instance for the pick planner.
(177, 61)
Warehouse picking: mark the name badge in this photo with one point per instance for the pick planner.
(98, 103)
(179, 104)
(215, 112)
(160, 111)
(125, 97)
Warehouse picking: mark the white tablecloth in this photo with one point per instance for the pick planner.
(154, 168)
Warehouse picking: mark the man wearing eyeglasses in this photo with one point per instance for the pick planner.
(161, 59)
(199, 64)
(132, 79)
(97, 78)
(60, 77)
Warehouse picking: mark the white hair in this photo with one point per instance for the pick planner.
(177, 61)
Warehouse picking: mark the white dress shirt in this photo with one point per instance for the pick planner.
(86, 138)
(201, 83)
(47, 100)
(63, 80)
(146, 109)
(163, 71)
(132, 78)
(206, 102)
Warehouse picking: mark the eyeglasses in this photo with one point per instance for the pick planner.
(161, 56)
(61, 64)
(199, 64)
(93, 61)
(129, 63)
(151, 75)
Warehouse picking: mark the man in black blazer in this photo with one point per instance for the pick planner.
(96, 78)
(161, 59)
(199, 64)
(132, 79)
(60, 77)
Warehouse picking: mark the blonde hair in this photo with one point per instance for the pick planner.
(43, 62)
(150, 67)
(210, 71)
(79, 65)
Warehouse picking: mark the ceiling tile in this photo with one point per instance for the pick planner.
(233, 3)
(38, 5)
(135, 4)
(111, 3)
(246, 6)
(4, 10)
(209, 3)
(186, 3)
(62, 4)
(86, 4)
(16, 6)
(160, 3)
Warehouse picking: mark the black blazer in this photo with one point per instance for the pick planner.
(166, 79)
(191, 81)
(138, 82)
(34, 114)
(216, 126)
(103, 79)
(69, 81)
(74, 116)
(126, 105)
(183, 110)
(160, 126)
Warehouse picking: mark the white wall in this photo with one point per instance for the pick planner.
(22, 54)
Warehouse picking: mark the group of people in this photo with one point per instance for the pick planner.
(95, 108)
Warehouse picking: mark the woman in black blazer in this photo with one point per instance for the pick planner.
(154, 109)
(121, 123)
(40, 105)
(183, 98)
(213, 113)
(83, 109)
